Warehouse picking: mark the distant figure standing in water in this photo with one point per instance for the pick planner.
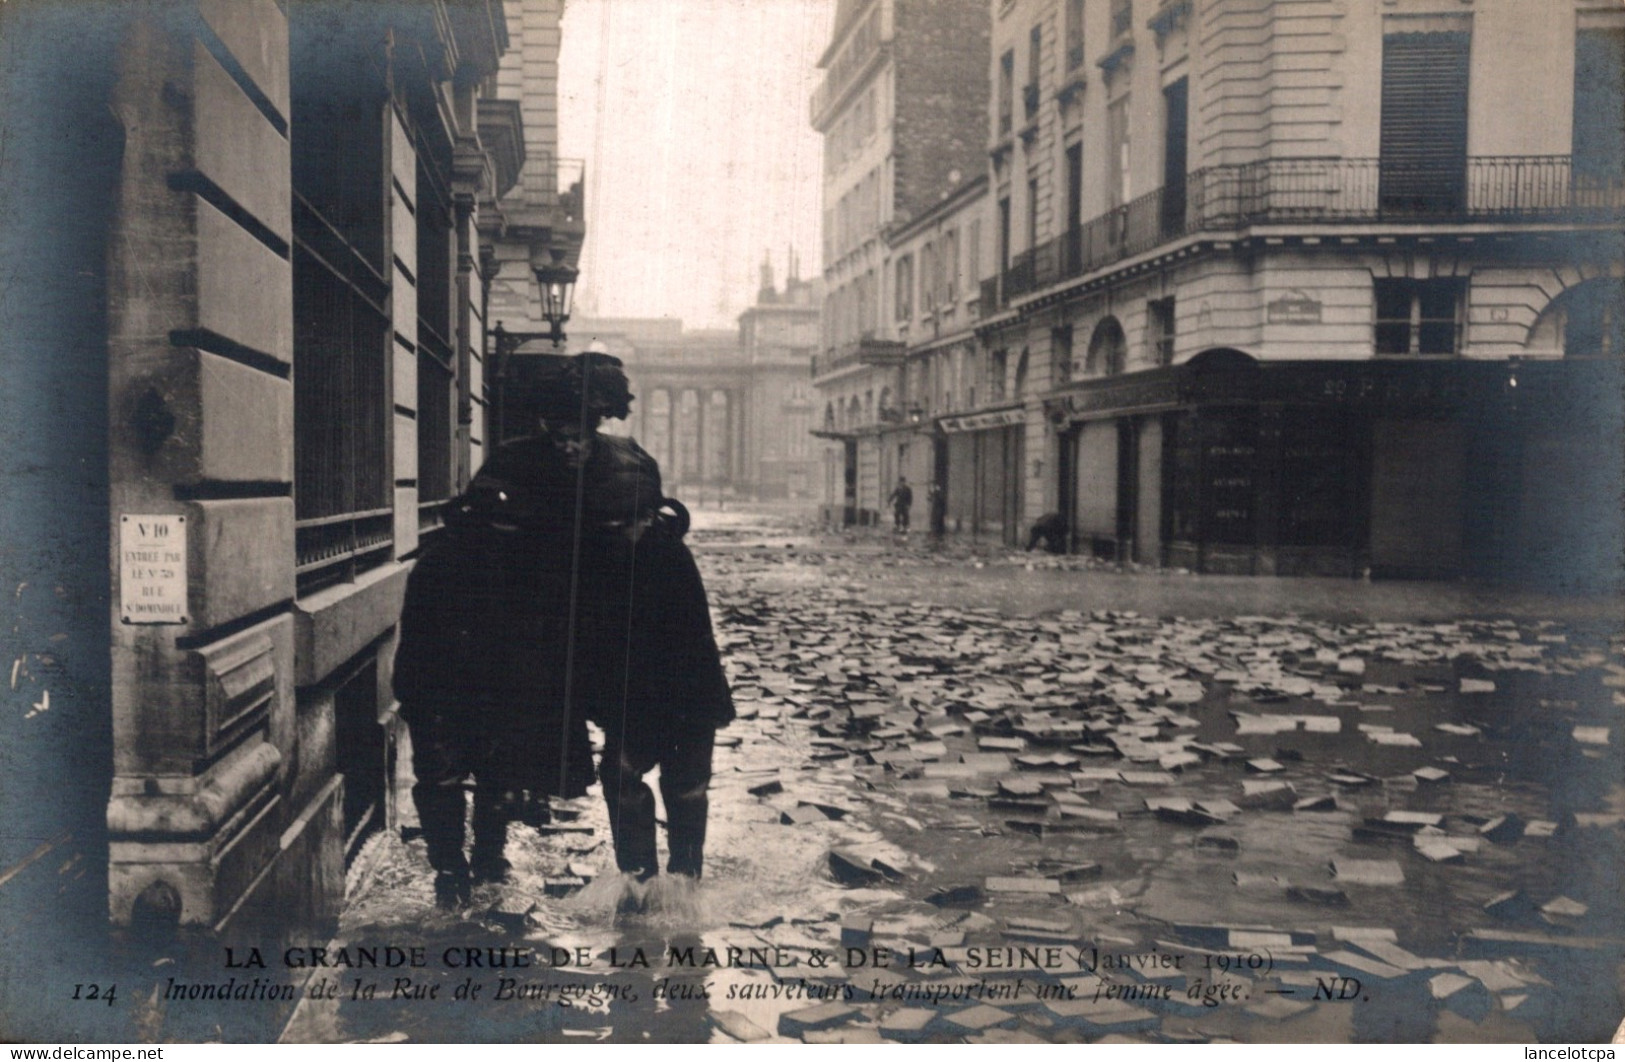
(902, 501)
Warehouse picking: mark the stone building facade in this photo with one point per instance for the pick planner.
(1314, 287)
(727, 414)
(900, 108)
(254, 347)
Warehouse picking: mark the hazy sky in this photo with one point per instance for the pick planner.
(692, 116)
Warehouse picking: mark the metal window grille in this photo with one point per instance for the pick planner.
(343, 497)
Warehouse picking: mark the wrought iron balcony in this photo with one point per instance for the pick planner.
(1494, 189)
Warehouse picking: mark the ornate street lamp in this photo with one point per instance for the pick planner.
(556, 282)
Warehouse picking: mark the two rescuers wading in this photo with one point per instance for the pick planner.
(561, 591)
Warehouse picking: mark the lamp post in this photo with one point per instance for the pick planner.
(556, 282)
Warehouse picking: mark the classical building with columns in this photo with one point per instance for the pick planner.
(251, 374)
(728, 414)
(1315, 287)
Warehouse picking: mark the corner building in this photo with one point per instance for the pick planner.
(1314, 287)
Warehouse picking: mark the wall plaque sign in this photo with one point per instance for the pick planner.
(152, 569)
(1294, 308)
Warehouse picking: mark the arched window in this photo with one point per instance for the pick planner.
(1108, 349)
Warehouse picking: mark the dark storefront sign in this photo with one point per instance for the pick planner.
(1384, 386)
(996, 418)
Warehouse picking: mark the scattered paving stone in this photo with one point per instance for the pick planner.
(738, 1026)
(907, 1023)
(850, 868)
(1037, 886)
(1469, 685)
(1368, 871)
(1264, 766)
(1591, 735)
(1503, 829)
(1317, 803)
(1564, 907)
(766, 788)
(1324, 895)
(978, 1017)
(957, 896)
(1431, 775)
(857, 1034)
(811, 1019)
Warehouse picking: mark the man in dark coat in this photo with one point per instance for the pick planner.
(501, 632)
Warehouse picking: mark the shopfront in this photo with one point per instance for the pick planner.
(1403, 469)
(984, 455)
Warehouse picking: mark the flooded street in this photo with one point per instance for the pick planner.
(983, 796)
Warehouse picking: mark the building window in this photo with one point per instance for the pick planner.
(950, 267)
(1032, 213)
(1074, 34)
(343, 496)
(929, 272)
(1122, 18)
(1419, 316)
(1108, 349)
(1061, 343)
(1035, 55)
(1423, 140)
(1004, 235)
(1160, 330)
(1021, 376)
(1175, 120)
(436, 360)
(905, 288)
(1007, 90)
(1118, 185)
(1599, 100)
(997, 362)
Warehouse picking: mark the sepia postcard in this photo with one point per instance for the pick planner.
(826, 521)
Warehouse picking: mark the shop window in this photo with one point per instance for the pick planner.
(1419, 317)
(1594, 323)
(1316, 478)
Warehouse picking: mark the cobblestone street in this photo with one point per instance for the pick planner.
(989, 796)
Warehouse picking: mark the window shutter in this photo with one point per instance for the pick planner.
(1424, 122)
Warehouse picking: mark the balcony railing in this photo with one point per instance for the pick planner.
(1530, 188)
(866, 351)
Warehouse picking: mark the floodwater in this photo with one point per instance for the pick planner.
(1001, 875)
